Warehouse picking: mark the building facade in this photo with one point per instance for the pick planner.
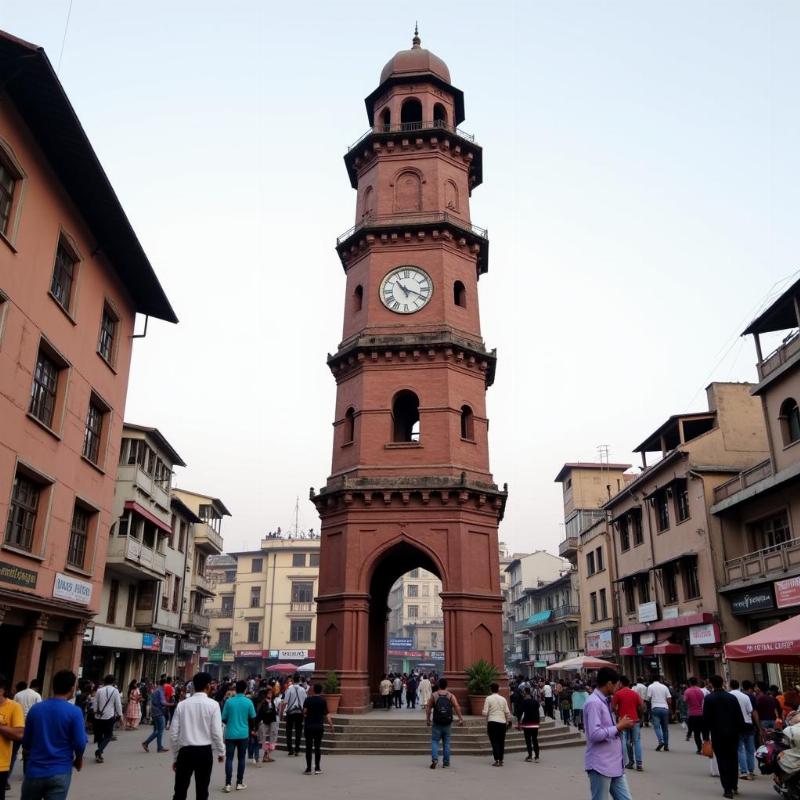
(73, 276)
(759, 509)
(667, 543)
(264, 612)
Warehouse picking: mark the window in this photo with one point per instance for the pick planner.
(113, 594)
(593, 603)
(224, 640)
(411, 115)
(22, 512)
(255, 597)
(386, 119)
(313, 559)
(349, 425)
(227, 604)
(230, 576)
(94, 429)
(630, 599)
(598, 557)
(257, 565)
(146, 598)
(772, 532)
(603, 605)
(183, 531)
(165, 591)
(252, 632)
(63, 276)
(405, 416)
(45, 386)
(8, 182)
(176, 594)
(413, 590)
(691, 583)
(439, 116)
(636, 524)
(590, 568)
(669, 579)
(78, 536)
(413, 612)
(790, 421)
(624, 533)
(414, 573)
(130, 609)
(644, 588)
(681, 492)
(298, 559)
(300, 630)
(108, 334)
(358, 297)
(661, 504)
(459, 294)
(467, 424)
(302, 591)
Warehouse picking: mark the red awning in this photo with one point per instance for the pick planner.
(778, 644)
(665, 624)
(143, 512)
(669, 649)
(646, 650)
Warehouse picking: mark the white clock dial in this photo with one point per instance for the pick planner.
(406, 289)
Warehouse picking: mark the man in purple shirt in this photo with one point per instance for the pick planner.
(605, 765)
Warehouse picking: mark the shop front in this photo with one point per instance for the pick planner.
(249, 662)
(112, 651)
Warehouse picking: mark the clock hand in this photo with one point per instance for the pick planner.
(403, 288)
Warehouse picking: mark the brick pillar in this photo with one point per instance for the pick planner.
(68, 653)
(29, 650)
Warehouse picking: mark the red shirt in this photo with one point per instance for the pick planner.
(168, 691)
(694, 696)
(627, 703)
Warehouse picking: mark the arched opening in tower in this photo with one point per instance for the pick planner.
(386, 119)
(405, 417)
(439, 116)
(411, 114)
(406, 626)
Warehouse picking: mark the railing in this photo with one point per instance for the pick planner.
(126, 548)
(582, 520)
(199, 619)
(570, 544)
(743, 480)
(201, 582)
(205, 534)
(521, 625)
(414, 218)
(770, 561)
(408, 127)
(565, 611)
(789, 347)
(303, 608)
(220, 612)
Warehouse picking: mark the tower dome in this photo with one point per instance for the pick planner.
(415, 61)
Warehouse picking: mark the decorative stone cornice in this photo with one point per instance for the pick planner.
(443, 345)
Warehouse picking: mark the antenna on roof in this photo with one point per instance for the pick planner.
(416, 41)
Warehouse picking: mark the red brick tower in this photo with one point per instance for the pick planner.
(410, 484)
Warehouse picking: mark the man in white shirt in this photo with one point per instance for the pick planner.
(547, 694)
(292, 711)
(747, 740)
(27, 697)
(107, 709)
(660, 703)
(196, 735)
(641, 690)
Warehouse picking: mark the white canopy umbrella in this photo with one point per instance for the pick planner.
(310, 667)
(579, 664)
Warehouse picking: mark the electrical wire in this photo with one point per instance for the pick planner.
(64, 39)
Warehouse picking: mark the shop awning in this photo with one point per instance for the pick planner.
(150, 517)
(669, 649)
(778, 644)
(539, 617)
(641, 650)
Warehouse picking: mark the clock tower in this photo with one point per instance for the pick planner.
(410, 484)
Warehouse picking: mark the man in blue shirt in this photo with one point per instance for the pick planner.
(158, 711)
(236, 715)
(53, 742)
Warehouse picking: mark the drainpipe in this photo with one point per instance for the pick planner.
(272, 598)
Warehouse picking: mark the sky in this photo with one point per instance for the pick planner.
(640, 190)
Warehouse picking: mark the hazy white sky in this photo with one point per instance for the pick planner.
(640, 190)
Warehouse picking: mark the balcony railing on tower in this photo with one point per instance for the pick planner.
(413, 218)
(409, 127)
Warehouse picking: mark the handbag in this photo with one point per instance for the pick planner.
(707, 750)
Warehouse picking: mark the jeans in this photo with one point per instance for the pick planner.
(601, 787)
(388, 700)
(577, 717)
(4, 778)
(197, 760)
(661, 725)
(294, 721)
(158, 732)
(253, 748)
(747, 753)
(103, 731)
(313, 743)
(442, 732)
(240, 746)
(54, 787)
(497, 736)
(14, 752)
(695, 725)
(632, 739)
(532, 741)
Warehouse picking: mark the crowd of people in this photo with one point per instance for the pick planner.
(398, 690)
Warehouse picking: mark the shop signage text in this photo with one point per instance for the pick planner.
(288, 654)
(168, 644)
(648, 612)
(151, 641)
(752, 600)
(67, 588)
(787, 593)
(704, 634)
(407, 653)
(401, 644)
(19, 576)
(648, 637)
(249, 654)
(627, 640)
(598, 642)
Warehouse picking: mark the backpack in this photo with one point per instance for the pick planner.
(442, 710)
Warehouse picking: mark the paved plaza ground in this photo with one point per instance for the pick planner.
(131, 774)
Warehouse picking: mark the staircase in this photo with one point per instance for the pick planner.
(394, 733)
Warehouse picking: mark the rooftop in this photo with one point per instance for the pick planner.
(160, 440)
(571, 465)
(415, 61)
(694, 424)
(779, 316)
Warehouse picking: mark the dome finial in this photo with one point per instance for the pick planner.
(416, 41)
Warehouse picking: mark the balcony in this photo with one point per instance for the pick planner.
(302, 608)
(157, 491)
(207, 539)
(131, 557)
(743, 481)
(220, 613)
(782, 355)
(779, 561)
(198, 620)
(410, 127)
(569, 547)
(566, 614)
(202, 584)
(521, 625)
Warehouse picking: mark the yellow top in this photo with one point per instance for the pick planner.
(11, 715)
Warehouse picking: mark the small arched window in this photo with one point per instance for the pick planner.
(451, 195)
(439, 116)
(467, 423)
(405, 417)
(411, 114)
(366, 203)
(358, 298)
(790, 421)
(386, 119)
(408, 192)
(349, 425)
(459, 294)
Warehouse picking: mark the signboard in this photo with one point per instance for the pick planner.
(787, 592)
(437, 655)
(215, 655)
(227, 656)
(19, 576)
(540, 664)
(88, 636)
(67, 588)
(168, 644)
(648, 637)
(627, 640)
(407, 653)
(750, 600)
(273, 653)
(704, 634)
(401, 644)
(670, 613)
(289, 655)
(151, 641)
(203, 652)
(648, 612)
(598, 643)
(249, 654)
(189, 647)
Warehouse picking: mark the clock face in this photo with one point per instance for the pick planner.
(406, 289)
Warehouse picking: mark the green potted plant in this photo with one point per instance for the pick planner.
(331, 691)
(480, 676)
